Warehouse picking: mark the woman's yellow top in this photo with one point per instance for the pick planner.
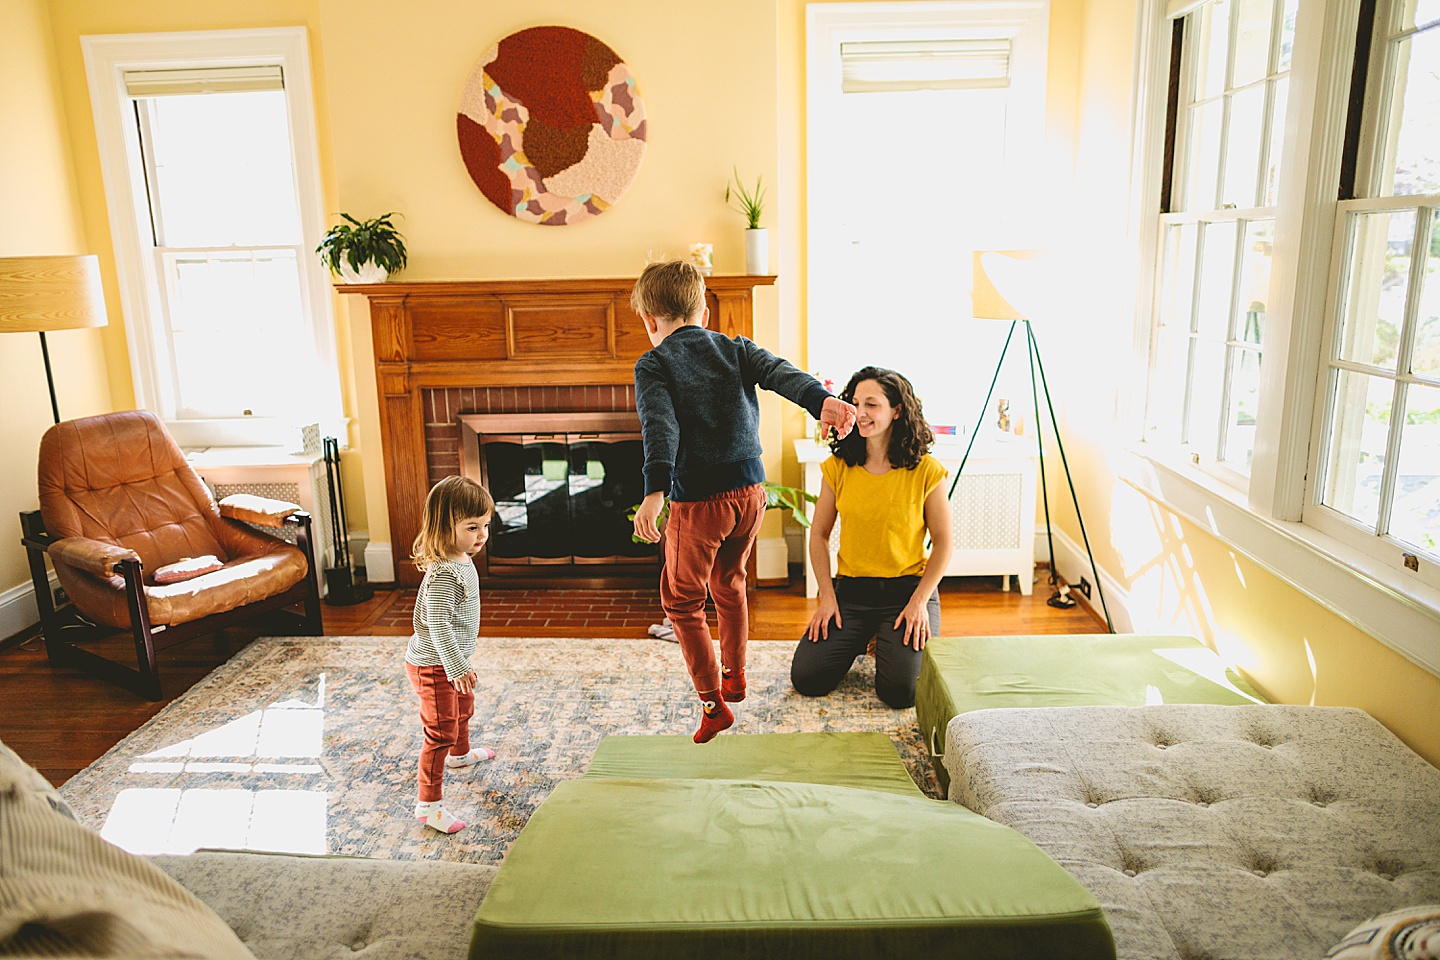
(882, 517)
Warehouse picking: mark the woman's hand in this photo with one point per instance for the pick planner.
(828, 610)
(465, 684)
(916, 619)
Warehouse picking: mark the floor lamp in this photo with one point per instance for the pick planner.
(39, 294)
(990, 304)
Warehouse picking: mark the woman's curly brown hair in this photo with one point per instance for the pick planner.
(910, 436)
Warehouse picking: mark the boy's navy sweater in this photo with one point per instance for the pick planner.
(695, 394)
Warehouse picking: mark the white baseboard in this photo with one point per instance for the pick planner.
(379, 563)
(1072, 564)
(772, 558)
(17, 608)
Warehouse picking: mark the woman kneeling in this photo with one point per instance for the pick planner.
(888, 492)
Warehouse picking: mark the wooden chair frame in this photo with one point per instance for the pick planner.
(64, 628)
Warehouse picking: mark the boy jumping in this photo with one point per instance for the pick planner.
(695, 393)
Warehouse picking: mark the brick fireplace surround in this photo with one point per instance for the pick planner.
(444, 348)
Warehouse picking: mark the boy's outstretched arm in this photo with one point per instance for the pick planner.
(779, 375)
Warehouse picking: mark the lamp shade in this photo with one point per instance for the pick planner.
(997, 271)
(50, 293)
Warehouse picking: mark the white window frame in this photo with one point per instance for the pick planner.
(1267, 522)
(107, 59)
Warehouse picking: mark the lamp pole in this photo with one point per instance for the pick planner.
(49, 377)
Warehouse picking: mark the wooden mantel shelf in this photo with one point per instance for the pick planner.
(436, 334)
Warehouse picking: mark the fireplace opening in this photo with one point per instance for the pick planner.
(563, 485)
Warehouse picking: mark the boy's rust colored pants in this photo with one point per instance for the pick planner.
(707, 543)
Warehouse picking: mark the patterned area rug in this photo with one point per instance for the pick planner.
(310, 745)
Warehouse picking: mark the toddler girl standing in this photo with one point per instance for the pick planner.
(447, 622)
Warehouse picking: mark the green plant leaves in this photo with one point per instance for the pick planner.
(361, 241)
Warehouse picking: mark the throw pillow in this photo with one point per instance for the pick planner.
(187, 569)
(1412, 933)
(64, 891)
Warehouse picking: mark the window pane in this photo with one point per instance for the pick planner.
(1287, 33)
(1166, 403)
(1252, 41)
(1277, 141)
(1212, 45)
(1217, 275)
(223, 170)
(1415, 105)
(1244, 401)
(241, 342)
(1425, 352)
(1203, 155)
(1415, 516)
(1177, 276)
(1207, 379)
(1424, 11)
(1360, 426)
(1242, 148)
(1255, 279)
(1379, 272)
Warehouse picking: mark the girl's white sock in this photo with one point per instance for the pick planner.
(477, 755)
(433, 815)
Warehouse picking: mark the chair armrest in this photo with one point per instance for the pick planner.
(261, 510)
(92, 556)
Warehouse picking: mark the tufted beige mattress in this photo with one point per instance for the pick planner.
(1260, 831)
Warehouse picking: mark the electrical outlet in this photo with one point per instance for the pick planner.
(61, 597)
(1084, 587)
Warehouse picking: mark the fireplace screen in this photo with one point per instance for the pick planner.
(562, 498)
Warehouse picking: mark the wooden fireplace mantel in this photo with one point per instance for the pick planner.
(500, 333)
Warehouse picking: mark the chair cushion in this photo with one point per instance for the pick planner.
(960, 674)
(1260, 831)
(288, 906)
(645, 868)
(66, 892)
(187, 569)
(864, 760)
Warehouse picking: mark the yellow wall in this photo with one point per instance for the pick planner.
(40, 214)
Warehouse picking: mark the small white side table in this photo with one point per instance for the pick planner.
(992, 510)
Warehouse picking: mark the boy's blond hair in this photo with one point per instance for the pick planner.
(450, 501)
(671, 290)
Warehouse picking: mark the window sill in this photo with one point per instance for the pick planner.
(1388, 604)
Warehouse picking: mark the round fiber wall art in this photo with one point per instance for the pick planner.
(551, 126)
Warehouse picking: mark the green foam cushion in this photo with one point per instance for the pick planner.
(960, 674)
(651, 868)
(867, 761)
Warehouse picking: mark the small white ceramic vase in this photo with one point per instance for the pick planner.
(369, 272)
(757, 251)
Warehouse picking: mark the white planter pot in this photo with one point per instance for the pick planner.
(369, 272)
(757, 251)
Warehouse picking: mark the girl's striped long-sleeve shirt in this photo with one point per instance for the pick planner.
(447, 618)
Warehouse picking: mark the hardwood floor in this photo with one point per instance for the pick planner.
(61, 720)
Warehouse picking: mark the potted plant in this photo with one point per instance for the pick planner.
(757, 239)
(363, 251)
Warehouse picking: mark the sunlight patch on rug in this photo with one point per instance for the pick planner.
(309, 745)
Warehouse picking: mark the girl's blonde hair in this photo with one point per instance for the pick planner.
(450, 501)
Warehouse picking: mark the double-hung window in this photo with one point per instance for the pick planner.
(208, 147)
(1294, 306)
(1377, 459)
(1228, 88)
